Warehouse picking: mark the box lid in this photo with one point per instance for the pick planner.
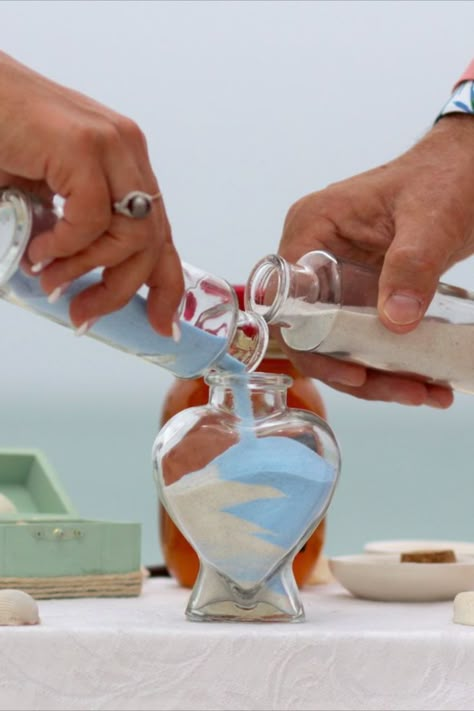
(30, 489)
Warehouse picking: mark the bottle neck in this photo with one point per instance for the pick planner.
(277, 288)
(264, 393)
(292, 295)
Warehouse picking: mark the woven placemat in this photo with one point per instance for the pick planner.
(115, 585)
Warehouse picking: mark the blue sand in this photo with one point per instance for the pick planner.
(304, 479)
(302, 476)
(130, 331)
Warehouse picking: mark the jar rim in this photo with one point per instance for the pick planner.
(255, 379)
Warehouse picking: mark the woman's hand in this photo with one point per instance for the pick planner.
(56, 141)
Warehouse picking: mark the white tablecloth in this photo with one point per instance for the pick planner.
(141, 653)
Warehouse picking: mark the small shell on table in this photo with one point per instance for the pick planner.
(6, 506)
(17, 608)
(464, 608)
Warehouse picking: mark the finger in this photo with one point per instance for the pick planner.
(165, 281)
(118, 164)
(127, 162)
(369, 384)
(109, 250)
(87, 213)
(386, 387)
(133, 172)
(413, 264)
(166, 289)
(328, 369)
(164, 277)
(306, 235)
(117, 287)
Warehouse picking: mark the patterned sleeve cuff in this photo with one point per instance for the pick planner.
(467, 76)
(461, 101)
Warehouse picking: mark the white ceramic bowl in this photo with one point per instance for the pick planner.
(461, 548)
(383, 577)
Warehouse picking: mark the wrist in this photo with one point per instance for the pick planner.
(443, 161)
(461, 100)
(450, 149)
(457, 128)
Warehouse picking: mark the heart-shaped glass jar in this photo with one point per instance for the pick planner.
(246, 479)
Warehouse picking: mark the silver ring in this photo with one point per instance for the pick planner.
(135, 204)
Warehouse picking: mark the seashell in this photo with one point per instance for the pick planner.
(17, 608)
(464, 608)
(7, 506)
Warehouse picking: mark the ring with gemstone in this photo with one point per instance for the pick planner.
(135, 204)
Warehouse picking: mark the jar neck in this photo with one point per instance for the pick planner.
(264, 392)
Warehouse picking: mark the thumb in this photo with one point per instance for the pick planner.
(412, 267)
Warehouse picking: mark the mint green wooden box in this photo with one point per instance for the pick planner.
(45, 546)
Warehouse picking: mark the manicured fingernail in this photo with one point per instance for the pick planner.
(39, 266)
(84, 327)
(176, 332)
(402, 309)
(57, 293)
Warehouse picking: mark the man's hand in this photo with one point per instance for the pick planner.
(413, 219)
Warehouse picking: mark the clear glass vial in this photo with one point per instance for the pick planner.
(215, 334)
(247, 480)
(329, 306)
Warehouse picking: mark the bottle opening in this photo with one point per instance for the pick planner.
(252, 380)
(15, 229)
(267, 287)
(7, 226)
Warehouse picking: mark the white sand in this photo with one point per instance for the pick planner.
(436, 350)
(227, 541)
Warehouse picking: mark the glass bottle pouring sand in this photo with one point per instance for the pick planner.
(215, 334)
(329, 306)
(247, 480)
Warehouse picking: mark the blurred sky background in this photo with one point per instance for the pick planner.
(247, 106)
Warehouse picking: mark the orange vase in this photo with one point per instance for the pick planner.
(180, 559)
